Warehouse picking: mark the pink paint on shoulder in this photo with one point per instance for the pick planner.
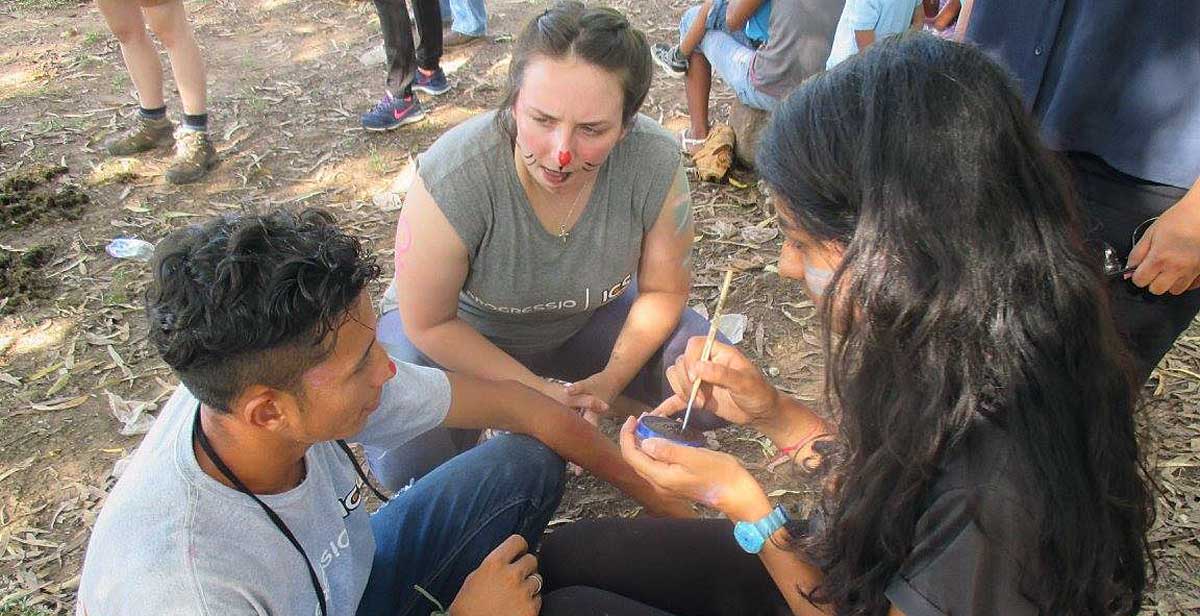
(404, 241)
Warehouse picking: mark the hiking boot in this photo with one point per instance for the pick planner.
(194, 156)
(458, 39)
(392, 113)
(144, 136)
(668, 58)
(434, 84)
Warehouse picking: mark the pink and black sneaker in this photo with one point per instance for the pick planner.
(391, 113)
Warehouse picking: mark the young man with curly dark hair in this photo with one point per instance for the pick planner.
(244, 497)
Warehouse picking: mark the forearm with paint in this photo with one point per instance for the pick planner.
(526, 411)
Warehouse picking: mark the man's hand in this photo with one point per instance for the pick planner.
(1168, 255)
(506, 582)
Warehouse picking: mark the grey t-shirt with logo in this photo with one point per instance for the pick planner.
(173, 540)
(526, 290)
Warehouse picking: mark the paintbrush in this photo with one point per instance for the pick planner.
(708, 342)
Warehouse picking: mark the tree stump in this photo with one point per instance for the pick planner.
(748, 124)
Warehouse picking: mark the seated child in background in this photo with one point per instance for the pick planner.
(865, 21)
(712, 15)
(726, 34)
(762, 50)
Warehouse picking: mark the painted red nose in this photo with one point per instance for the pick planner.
(564, 158)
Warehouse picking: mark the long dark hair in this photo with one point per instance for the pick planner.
(969, 293)
(598, 35)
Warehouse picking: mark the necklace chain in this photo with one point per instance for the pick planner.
(563, 233)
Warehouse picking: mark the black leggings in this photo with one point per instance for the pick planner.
(685, 567)
(585, 601)
(403, 56)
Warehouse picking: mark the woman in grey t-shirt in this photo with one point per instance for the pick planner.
(550, 238)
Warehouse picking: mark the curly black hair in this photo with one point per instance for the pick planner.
(248, 299)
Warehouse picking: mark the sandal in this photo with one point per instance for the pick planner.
(687, 145)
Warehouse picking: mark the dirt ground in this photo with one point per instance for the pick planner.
(286, 88)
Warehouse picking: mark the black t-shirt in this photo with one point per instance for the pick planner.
(975, 545)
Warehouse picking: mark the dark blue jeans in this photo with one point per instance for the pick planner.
(583, 355)
(439, 530)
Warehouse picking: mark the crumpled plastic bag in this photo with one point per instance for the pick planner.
(733, 325)
(133, 414)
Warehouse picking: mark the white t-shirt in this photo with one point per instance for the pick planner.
(173, 540)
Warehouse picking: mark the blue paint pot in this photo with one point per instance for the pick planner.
(653, 426)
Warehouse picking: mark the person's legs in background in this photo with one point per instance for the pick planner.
(469, 19)
(153, 129)
(429, 77)
(399, 106)
(194, 152)
(167, 18)
(703, 48)
(437, 532)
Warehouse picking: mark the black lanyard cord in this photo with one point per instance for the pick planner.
(198, 434)
(358, 469)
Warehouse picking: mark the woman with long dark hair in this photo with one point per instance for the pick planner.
(982, 456)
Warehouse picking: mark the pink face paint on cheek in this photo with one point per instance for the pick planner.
(564, 158)
(404, 241)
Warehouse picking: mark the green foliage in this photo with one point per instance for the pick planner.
(22, 607)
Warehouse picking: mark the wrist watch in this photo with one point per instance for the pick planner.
(751, 536)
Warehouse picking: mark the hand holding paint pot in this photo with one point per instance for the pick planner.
(713, 478)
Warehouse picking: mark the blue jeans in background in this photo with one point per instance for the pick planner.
(439, 530)
(731, 55)
(469, 16)
(583, 355)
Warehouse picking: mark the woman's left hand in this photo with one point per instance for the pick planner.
(593, 394)
(713, 478)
